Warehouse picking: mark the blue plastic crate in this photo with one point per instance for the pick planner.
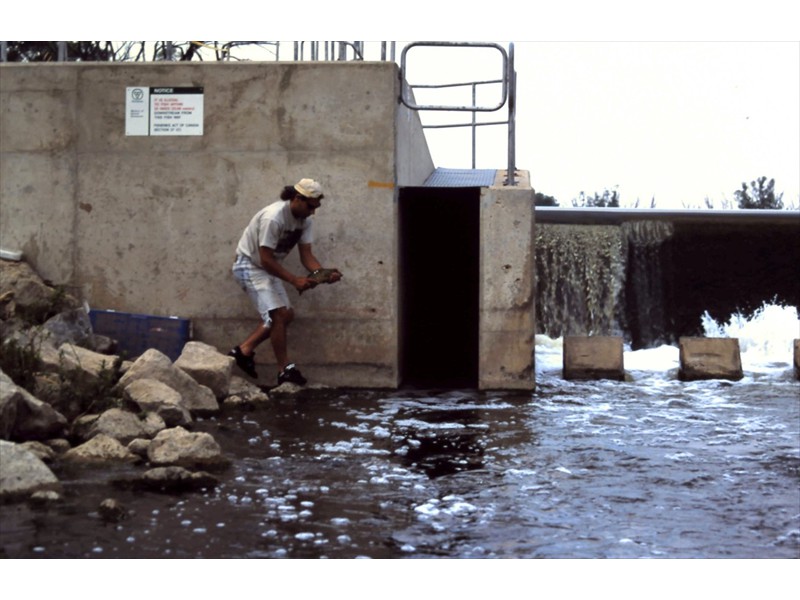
(136, 333)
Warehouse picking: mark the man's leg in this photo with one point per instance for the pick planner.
(281, 318)
(260, 334)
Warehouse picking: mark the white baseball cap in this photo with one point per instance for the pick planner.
(309, 188)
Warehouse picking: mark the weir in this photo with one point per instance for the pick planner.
(649, 275)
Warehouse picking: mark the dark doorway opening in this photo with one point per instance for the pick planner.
(439, 298)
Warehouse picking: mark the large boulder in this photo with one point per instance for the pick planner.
(206, 365)
(92, 363)
(27, 295)
(23, 473)
(125, 426)
(24, 417)
(151, 395)
(179, 447)
(100, 449)
(153, 364)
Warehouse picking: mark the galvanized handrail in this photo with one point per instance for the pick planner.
(508, 96)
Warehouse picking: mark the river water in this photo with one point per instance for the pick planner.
(647, 468)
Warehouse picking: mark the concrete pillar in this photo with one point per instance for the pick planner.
(506, 310)
(709, 358)
(596, 357)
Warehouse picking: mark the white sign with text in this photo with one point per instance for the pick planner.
(164, 111)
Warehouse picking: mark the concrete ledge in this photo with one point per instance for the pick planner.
(797, 359)
(599, 357)
(709, 358)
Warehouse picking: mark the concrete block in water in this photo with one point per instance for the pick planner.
(596, 357)
(709, 358)
(797, 359)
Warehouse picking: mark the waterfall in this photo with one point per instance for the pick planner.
(579, 280)
(603, 280)
(646, 282)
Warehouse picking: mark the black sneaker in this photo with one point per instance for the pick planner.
(245, 363)
(291, 374)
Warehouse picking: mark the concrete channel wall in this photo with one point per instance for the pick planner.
(149, 224)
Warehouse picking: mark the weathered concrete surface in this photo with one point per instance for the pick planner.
(150, 224)
(596, 357)
(507, 317)
(709, 358)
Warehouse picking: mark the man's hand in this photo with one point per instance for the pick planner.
(301, 284)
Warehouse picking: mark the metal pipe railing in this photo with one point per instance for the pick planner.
(508, 97)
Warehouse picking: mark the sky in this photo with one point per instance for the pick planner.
(673, 123)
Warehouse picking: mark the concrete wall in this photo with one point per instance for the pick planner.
(150, 224)
(507, 290)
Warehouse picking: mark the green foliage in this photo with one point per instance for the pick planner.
(761, 194)
(76, 391)
(540, 199)
(20, 362)
(608, 199)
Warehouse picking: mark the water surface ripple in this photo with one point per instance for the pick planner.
(652, 468)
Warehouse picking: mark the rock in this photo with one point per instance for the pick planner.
(23, 473)
(44, 497)
(151, 395)
(139, 447)
(172, 479)
(122, 425)
(245, 394)
(111, 510)
(100, 449)
(24, 417)
(69, 327)
(81, 427)
(286, 390)
(197, 398)
(179, 447)
(92, 363)
(58, 445)
(23, 287)
(41, 451)
(206, 365)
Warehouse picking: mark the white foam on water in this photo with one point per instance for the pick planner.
(766, 338)
(766, 343)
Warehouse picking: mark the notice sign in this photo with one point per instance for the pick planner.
(164, 111)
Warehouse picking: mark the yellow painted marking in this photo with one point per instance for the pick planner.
(380, 184)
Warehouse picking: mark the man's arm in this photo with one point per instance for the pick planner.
(274, 267)
(307, 257)
(310, 261)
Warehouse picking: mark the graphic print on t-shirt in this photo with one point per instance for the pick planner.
(288, 240)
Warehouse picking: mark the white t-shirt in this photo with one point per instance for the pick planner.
(275, 227)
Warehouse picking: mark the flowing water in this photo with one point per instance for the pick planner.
(648, 468)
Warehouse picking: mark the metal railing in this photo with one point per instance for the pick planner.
(507, 81)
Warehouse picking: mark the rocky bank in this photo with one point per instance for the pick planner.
(65, 397)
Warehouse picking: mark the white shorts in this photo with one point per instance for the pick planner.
(266, 291)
